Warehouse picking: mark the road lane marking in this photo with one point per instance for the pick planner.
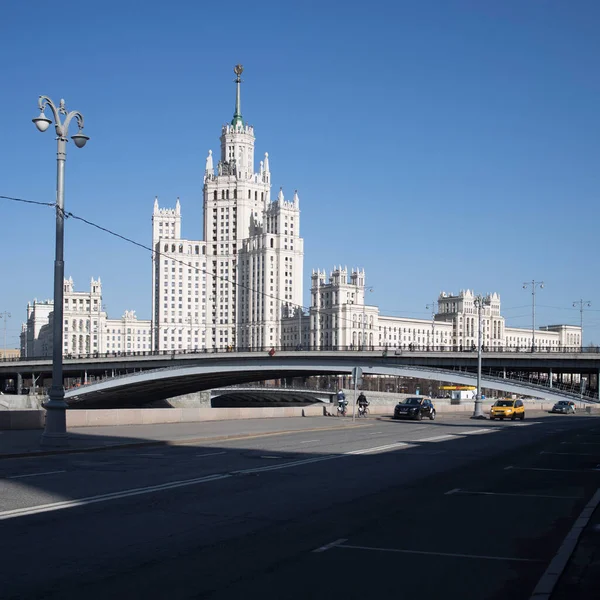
(468, 492)
(378, 448)
(287, 465)
(331, 545)
(449, 554)
(476, 431)
(524, 424)
(309, 441)
(210, 454)
(438, 438)
(553, 470)
(545, 586)
(583, 443)
(42, 508)
(34, 474)
(568, 453)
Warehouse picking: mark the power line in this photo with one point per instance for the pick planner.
(28, 201)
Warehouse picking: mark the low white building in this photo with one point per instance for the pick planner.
(86, 326)
(340, 319)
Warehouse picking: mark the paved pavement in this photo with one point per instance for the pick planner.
(313, 507)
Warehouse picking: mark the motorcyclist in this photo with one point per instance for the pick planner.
(362, 402)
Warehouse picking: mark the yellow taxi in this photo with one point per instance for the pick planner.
(507, 409)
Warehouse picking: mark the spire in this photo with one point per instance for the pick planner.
(266, 162)
(177, 207)
(280, 195)
(296, 199)
(155, 205)
(237, 115)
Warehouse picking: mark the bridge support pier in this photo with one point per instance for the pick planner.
(550, 378)
(19, 383)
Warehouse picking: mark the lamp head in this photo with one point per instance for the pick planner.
(42, 122)
(80, 139)
(524, 286)
(541, 285)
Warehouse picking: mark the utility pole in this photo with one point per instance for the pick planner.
(5, 315)
(433, 307)
(479, 303)
(582, 304)
(534, 284)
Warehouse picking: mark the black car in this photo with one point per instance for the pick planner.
(414, 408)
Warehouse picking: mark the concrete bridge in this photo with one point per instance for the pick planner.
(142, 378)
(190, 376)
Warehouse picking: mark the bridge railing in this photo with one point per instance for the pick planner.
(387, 350)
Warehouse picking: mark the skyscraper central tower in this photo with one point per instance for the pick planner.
(252, 251)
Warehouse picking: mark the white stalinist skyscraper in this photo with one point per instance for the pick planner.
(231, 289)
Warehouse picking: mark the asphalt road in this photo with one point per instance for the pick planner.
(447, 509)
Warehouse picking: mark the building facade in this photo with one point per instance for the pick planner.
(232, 288)
(86, 326)
(340, 319)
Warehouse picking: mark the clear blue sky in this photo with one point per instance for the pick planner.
(441, 145)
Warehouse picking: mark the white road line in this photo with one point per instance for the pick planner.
(309, 441)
(378, 448)
(42, 508)
(554, 470)
(545, 586)
(450, 554)
(288, 465)
(331, 545)
(210, 454)
(476, 431)
(438, 438)
(524, 424)
(583, 443)
(467, 492)
(34, 474)
(568, 453)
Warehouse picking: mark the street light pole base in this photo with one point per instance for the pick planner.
(479, 417)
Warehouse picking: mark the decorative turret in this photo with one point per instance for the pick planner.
(280, 197)
(177, 207)
(155, 205)
(296, 199)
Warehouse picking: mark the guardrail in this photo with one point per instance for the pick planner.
(385, 350)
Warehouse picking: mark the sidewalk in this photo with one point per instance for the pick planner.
(581, 578)
(23, 443)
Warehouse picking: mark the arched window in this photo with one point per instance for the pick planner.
(197, 250)
(223, 194)
(215, 195)
(172, 247)
(249, 195)
(262, 196)
(235, 194)
(271, 242)
(166, 248)
(181, 248)
(256, 195)
(227, 194)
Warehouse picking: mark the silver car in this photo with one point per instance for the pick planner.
(566, 407)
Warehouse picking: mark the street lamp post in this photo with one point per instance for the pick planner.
(479, 304)
(534, 284)
(5, 315)
(433, 308)
(582, 304)
(55, 431)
